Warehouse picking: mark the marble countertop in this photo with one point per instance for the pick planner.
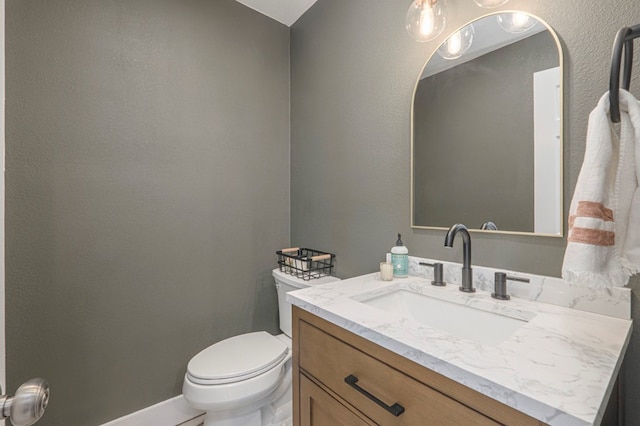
(559, 367)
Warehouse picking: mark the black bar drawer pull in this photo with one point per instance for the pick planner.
(395, 409)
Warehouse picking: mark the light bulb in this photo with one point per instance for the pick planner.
(520, 19)
(427, 23)
(488, 4)
(458, 43)
(516, 22)
(425, 19)
(454, 44)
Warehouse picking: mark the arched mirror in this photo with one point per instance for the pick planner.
(487, 129)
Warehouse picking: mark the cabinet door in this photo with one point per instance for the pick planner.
(337, 360)
(318, 408)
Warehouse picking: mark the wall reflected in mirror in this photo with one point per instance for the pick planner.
(487, 129)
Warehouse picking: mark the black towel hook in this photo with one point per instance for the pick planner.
(623, 42)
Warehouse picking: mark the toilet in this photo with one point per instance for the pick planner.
(245, 380)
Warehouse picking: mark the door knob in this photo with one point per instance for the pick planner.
(27, 405)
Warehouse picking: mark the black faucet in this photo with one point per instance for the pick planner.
(467, 274)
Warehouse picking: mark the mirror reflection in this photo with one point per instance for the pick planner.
(487, 131)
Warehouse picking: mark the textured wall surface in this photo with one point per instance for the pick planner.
(147, 190)
(148, 172)
(353, 71)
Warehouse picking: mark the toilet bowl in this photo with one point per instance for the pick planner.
(245, 380)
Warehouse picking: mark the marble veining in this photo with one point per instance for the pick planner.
(559, 367)
(555, 291)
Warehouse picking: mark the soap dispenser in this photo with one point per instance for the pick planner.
(400, 259)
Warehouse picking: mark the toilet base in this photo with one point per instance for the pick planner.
(279, 413)
(253, 418)
(281, 416)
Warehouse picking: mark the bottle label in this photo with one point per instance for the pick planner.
(400, 265)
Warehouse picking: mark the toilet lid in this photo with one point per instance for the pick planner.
(237, 358)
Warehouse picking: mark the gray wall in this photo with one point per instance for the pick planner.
(147, 174)
(147, 191)
(353, 71)
(473, 137)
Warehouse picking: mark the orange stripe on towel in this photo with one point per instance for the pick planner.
(594, 210)
(594, 237)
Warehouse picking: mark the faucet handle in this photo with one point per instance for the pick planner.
(438, 273)
(500, 285)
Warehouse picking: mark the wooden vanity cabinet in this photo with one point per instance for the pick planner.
(323, 409)
(382, 388)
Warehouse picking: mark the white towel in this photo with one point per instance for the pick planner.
(603, 244)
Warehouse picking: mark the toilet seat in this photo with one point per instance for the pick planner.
(237, 358)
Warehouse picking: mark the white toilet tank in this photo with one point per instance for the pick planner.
(286, 283)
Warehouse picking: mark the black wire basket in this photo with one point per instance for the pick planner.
(306, 263)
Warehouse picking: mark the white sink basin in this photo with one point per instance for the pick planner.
(467, 322)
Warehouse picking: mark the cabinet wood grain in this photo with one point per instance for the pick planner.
(328, 353)
(322, 410)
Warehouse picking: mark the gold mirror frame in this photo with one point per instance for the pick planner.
(561, 113)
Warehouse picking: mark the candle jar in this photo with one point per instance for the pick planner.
(386, 271)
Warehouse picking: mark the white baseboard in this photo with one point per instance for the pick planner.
(171, 412)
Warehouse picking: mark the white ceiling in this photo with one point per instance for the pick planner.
(284, 11)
